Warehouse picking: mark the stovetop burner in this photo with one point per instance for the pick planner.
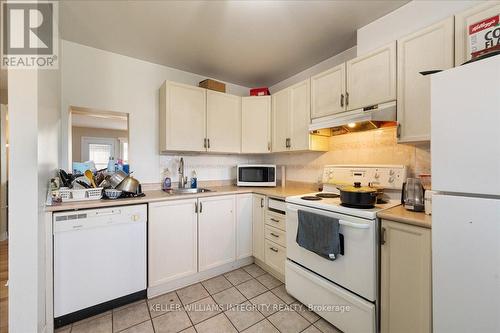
(328, 195)
(310, 198)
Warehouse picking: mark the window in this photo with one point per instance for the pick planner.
(100, 154)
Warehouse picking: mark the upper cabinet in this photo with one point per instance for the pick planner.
(182, 117)
(428, 49)
(223, 122)
(371, 78)
(256, 124)
(328, 92)
(291, 118)
(462, 22)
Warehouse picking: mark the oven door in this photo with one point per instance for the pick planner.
(356, 269)
(256, 175)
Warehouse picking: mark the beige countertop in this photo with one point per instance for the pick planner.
(400, 214)
(158, 195)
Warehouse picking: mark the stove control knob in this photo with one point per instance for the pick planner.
(391, 172)
(377, 175)
(391, 179)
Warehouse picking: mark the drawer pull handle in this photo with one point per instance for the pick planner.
(273, 249)
(274, 235)
(274, 220)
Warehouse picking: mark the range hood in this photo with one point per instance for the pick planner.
(376, 116)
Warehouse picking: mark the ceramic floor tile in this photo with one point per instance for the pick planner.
(229, 298)
(219, 324)
(254, 270)
(164, 303)
(302, 309)
(268, 303)
(216, 284)
(188, 330)
(170, 322)
(281, 293)
(64, 329)
(263, 326)
(130, 316)
(326, 327)
(201, 310)
(92, 318)
(251, 288)
(238, 276)
(192, 293)
(244, 315)
(311, 329)
(100, 325)
(288, 321)
(269, 281)
(145, 327)
(127, 305)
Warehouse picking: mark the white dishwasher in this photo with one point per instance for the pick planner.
(99, 260)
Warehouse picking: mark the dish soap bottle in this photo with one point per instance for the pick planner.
(194, 180)
(167, 181)
(111, 165)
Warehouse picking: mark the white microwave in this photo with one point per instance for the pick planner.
(256, 175)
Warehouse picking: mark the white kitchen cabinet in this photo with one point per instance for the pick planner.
(328, 92)
(406, 292)
(371, 78)
(256, 124)
(216, 231)
(244, 225)
(223, 122)
(291, 119)
(473, 15)
(428, 49)
(172, 241)
(182, 117)
(258, 216)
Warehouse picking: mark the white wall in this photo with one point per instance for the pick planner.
(405, 20)
(316, 69)
(108, 81)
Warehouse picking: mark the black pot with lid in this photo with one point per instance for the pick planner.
(358, 196)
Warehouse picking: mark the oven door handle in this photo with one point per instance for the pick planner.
(354, 225)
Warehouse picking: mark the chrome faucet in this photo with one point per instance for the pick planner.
(182, 179)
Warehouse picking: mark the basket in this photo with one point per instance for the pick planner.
(80, 194)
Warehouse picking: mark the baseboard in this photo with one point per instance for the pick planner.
(195, 278)
(270, 270)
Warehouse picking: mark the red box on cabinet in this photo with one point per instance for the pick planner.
(264, 91)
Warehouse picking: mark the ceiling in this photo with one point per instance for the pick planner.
(99, 121)
(251, 43)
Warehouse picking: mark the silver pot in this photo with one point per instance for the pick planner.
(116, 178)
(129, 185)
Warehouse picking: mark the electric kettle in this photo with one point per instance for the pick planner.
(412, 196)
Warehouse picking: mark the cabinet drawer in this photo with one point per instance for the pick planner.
(275, 256)
(276, 220)
(276, 235)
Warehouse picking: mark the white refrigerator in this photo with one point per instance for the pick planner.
(465, 146)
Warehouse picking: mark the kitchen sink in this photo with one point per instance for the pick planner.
(190, 190)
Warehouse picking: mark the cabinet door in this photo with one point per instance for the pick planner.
(428, 49)
(281, 120)
(244, 207)
(259, 208)
(328, 92)
(462, 22)
(405, 278)
(172, 241)
(216, 231)
(182, 117)
(371, 78)
(223, 122)
(300, 115)
(256, 124)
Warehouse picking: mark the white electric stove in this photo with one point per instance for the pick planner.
(345, 291)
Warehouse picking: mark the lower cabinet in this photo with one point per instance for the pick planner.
(406, 288)
(216, 231)
(258, 216)
(172, 240)
(244, 225)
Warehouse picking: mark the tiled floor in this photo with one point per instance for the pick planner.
(244, 300)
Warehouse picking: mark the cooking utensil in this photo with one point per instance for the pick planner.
(65, 178)
(83, 184)
(90, 176)
(129, 185)
(412, 196)
(358, 196)
(116, 178)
